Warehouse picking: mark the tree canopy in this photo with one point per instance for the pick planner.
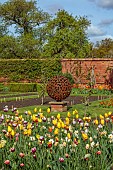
(66, 36)
(39, 35)
(23, 14)
(104, 48)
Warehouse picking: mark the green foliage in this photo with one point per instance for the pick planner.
(31, 70)
(103, 48)
(1, 86)
(66, 37)
(39, 37)
(23, 87)
(25, 46)
(74, 150)
(23, 14)
(82, 91)
(9, 47)
(69, 77)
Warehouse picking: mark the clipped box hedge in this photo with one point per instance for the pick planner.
(24, 87)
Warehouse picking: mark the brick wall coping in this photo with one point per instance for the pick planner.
(88, 59)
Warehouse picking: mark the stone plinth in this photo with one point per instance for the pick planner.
(58, 106)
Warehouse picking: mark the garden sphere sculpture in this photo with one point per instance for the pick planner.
(58, 88)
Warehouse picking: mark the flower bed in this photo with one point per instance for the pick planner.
(107, 103)
(35, 142)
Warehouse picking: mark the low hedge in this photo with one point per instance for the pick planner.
(22, 87)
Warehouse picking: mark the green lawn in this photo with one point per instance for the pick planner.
(93, 110)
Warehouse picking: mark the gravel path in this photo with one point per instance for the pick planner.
(37, 101)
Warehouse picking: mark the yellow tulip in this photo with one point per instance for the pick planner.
(9, 129)
(68, 114)
(48, 110)
(69, 136)
(62, 125)
(39, 120)
(12, 133)
(109, 113)
(60, 120)
(89, 119)
(56, 131)
(7, 120)
(35, 109)
(25, 132)
(40, 110)
(21, 127)
(101, 117)
(29, 132)
(29, 126)
(58, 116)
(54, 122)
(96, 122)
(77, 116)
(20, 117)
(106, 115)
(84, 136)
(58, 125)
(33, 117)
(102, 122)
(67, 119)
(67, 122)
(29, 113)
(37, 136)
(41, 115)
(76, 112)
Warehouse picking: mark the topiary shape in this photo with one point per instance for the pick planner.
(59, 88)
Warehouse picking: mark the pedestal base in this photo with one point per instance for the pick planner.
(58, 106)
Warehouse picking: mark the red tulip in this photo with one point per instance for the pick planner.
(67, 155)
(33, 150)
(21, 164)
(75, 141)
(7, 162)
(12, 149)
(61, 159)
(49, 144)
(21, 155)
(17, 138)
(34, 156)
(98, 152)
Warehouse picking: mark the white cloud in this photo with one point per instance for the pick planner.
(106, 22)
(100, 38)
(108, 4)
(94, 31)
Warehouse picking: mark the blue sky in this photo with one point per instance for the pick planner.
(99, 12)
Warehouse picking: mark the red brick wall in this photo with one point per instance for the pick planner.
(83, 70)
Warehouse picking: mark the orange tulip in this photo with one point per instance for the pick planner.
(50, 129)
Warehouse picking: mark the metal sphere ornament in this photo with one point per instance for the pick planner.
(58, 88)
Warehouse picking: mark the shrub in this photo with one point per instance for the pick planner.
(23, 87)
(69, 77)
(31, 70)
